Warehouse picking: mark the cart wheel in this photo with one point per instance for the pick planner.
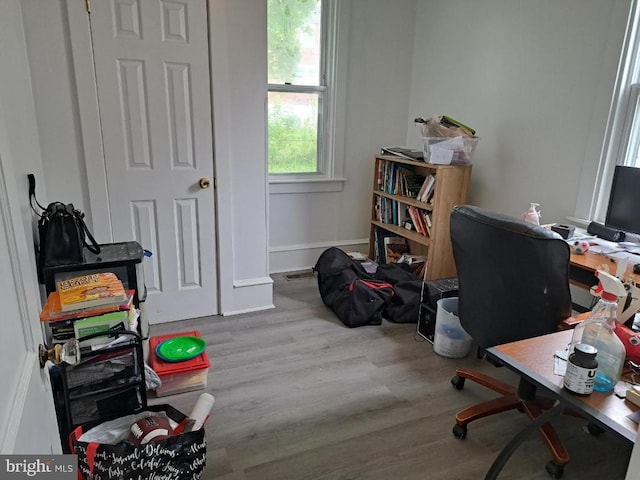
(554, 470)
(460, 431)
(457, 382)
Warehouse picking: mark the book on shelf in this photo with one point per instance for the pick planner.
(95, 289)
(427, 221)
(62, 331)
(417, 263)
(419, 222)
(403, 152)
(379, 234)
(413, 184)
(394, 248)
(414, 220)
(52, 310)
(427, 189)
(101, 324)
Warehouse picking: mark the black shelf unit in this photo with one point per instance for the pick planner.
(106, 384)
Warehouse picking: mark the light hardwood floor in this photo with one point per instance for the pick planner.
(301, 397)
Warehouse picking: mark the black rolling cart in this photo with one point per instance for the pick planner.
(107, 383)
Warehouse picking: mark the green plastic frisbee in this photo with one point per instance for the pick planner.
(179, 349)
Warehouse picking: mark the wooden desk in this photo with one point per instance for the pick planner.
(581, 268)
(533, 360)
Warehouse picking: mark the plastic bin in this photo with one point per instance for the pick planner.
(449, 151)
(178, 377)
(450, 339)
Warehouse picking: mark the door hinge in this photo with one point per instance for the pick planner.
(87, 4)
(215, 183)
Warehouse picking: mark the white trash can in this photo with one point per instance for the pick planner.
(450, 339)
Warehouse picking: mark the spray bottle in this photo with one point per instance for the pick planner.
(532, 215)
(598, 331)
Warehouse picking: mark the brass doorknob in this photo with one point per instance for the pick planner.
(205, 182)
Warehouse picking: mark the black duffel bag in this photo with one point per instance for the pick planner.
(355, 297)
(404, 307)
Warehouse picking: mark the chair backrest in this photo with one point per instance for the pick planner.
(513, 276)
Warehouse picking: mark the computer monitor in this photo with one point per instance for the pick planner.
(623, 212)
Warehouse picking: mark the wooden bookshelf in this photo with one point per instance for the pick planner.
(390, 204)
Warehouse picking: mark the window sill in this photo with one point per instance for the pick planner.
(305, 185)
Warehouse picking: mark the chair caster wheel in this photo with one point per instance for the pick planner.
(457, 382)
(594, 429)
(554, 470)
(460, 431)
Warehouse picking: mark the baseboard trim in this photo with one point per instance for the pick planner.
(252, 282)
(316, 245)
(296, 257)
(248, 310)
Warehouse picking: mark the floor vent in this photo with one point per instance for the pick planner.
(299, 275)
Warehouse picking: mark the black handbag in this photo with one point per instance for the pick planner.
(62, 233)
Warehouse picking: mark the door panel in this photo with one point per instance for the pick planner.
(152, 73)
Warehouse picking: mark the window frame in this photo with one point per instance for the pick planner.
(331, 109)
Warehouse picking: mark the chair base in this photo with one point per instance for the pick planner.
(509, 400)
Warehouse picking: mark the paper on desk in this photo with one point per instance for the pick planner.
(632, 248)
(603, 249)
(580, 237)
(605, 244)
(560, 362)
(623, 260)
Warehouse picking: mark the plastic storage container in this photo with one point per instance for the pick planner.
(449, 151)
(179, 377)
(450, 339)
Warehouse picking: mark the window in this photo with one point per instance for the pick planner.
(622, 140)
(301, 49)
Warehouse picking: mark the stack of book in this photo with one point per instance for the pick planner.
(88, 304)
(421, 220)
(403, 152)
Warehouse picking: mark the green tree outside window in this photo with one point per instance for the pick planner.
(293, 60)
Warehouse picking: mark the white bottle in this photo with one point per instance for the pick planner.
(532, 215)
(598, 331)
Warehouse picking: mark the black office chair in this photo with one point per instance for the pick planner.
(513, 284)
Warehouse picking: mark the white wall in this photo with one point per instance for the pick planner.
(380, 43)
(239, 75)
(51, 65)
(30, 424)
(534, 78)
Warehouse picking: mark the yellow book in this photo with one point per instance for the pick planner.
(92, 290)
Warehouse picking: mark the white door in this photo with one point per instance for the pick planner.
(27, 416)
(152, 74)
